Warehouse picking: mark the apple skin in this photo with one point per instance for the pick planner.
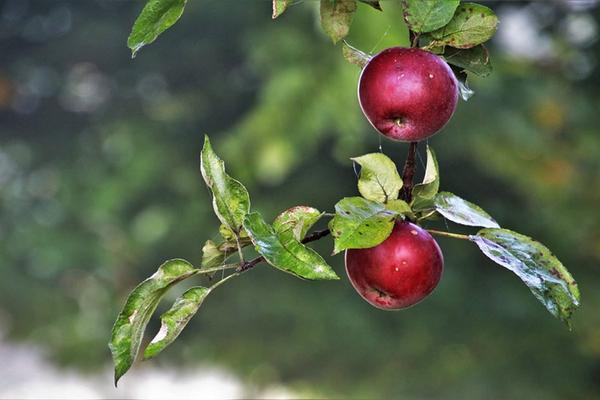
(407, 94)
(399, 272)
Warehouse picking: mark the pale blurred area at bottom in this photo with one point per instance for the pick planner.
(26, 374)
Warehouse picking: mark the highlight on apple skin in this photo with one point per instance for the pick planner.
(407, 94)
(399, 272)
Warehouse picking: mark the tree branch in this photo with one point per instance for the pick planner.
(408, 173)
(413, 37)
(307, 239)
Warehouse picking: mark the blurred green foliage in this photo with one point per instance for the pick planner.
(100, 182)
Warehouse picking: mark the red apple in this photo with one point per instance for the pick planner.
(407, 94)
(399, 272)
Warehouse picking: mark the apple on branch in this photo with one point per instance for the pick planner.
(399, 272)
(407, 94)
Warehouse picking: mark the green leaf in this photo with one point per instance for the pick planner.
(128, 331)
(231, 200)
(284, 252)
(427, 15)
(538, 268)
(215, 255)
(400, 207)
(336, 17)
(212, 255)
(355, 56)
(471, 25)
(475, 60)
(379, 179)
(373, 3)
(462, 212)
(229, 236)
(156, 17)
(175, 319)
(279, 7)
(360, 223)
(297, 220)
(431, 181)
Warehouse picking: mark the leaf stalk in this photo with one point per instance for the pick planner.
(448, 234)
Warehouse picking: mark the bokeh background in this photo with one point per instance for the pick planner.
(100, 182)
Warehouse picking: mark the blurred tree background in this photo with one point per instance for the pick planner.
(100, 182)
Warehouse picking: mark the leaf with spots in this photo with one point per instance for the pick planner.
(355, 56)
(423, 16)
(360, 223)
(231, 200)
(379, 179)
(462, 212)
(156, 17)
(475, 59)
(472, 24)
(128, 331)
(297, 220)
(283, 251)
(425, 191)
(336, 17)
(175, 319)
(279, 7)
(538, 268)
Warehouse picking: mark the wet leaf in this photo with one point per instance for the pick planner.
(462, 212)
(379, 179)
(538, 268)
(284, 252)
(475, 60)
(231, 200)
(431, 181)
(128, 331)
(427, 15)
(355, 56)
(156, 17)
(360, 223)
(297, 220)
(279, 7)
(471, 25)
(175, 319)
(336, 17)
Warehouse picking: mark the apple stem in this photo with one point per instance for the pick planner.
(448, 234)
(316, 235)
(408, 172)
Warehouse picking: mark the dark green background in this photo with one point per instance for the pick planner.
(100, 182)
